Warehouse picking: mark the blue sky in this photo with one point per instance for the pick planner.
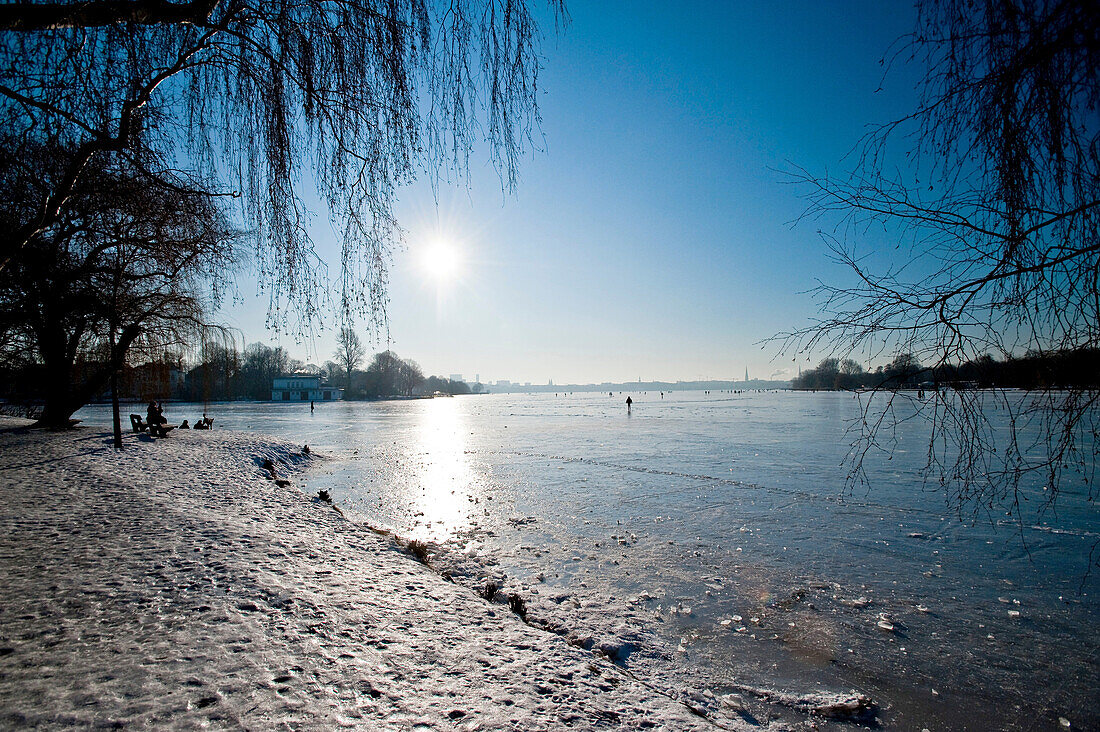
(652, 237)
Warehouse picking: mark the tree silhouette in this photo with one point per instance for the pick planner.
(127, 266)
(391, 375)
(262, 364)
(349, 352)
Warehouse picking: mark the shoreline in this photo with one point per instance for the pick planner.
(172, 584)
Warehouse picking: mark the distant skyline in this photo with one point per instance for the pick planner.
(652, 236)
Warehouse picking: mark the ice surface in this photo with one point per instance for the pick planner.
(609, 528)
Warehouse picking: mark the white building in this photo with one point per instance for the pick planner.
(303, 388)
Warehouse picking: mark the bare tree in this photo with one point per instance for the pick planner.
(329, 369)
(262, 364)
(409, 376)
(349, 352)
(390, 375)
(217, 372)
(383, 373)
(364, 94)
(128, 267)
(999, 215)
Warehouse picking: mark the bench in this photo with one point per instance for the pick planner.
(139, 425)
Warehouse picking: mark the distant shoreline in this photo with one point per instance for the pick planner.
(632, 388)
(639, 386)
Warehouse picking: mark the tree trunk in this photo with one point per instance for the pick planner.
(114, 398)
(68, 398)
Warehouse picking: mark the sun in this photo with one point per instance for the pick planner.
(441, 260)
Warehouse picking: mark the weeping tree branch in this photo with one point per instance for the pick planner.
(994, 234)
(363, 94)
(51, 208)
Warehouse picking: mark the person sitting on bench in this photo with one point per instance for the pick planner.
(158, 424)
(154, 414)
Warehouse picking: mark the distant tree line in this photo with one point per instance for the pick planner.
(387, 374)
(1074, 369)
(221, 372)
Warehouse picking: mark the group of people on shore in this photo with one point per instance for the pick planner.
(154, 415)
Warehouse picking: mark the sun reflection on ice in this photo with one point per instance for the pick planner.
(445, 475)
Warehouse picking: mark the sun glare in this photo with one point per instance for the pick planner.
(441, 261)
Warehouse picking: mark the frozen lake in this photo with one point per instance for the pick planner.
(721, 521)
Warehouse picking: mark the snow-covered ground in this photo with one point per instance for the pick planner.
(175, 584)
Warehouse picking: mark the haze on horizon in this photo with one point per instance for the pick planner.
(652, 237)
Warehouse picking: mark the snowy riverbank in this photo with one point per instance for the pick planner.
(173, 584)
